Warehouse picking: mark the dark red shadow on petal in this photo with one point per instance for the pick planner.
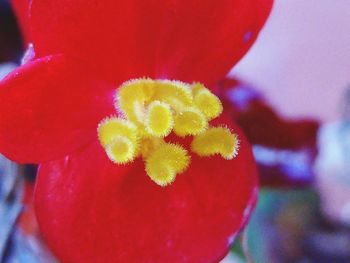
(21, 9)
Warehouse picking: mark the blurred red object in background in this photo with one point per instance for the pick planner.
(284, 149)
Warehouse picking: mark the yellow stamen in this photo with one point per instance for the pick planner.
(149, 145)
(217, 140)
(207, 102)
(165, 162)
(109, 128)
(190, 122)
(159, 119)
(121, 150)
(132, 97)
(153, 109)
(175, 93)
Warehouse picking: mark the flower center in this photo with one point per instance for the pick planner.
(152, 109)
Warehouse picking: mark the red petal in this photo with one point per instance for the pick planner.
(186, 40)
(116, 36)
(91, 210)
(50, 107)
(21, 8)
(202, 40)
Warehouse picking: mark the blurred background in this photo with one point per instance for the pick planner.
(291, 96)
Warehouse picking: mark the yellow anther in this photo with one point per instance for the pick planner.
(150, 144)
(121, 150)
(197, 87)
(206, 101)
(111, 127)
(175, 93)
(190, 122)
(165, 162)
(159, 119)
(217, 140)
(132, 96)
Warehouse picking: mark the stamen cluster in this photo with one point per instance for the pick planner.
(149, 111)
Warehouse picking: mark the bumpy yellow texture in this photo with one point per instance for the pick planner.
(159, 119)
(217, 140)
(165, 162)
(149, 110)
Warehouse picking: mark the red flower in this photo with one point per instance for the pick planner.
(91, 209)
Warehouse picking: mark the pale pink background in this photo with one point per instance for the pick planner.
(302, 58)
